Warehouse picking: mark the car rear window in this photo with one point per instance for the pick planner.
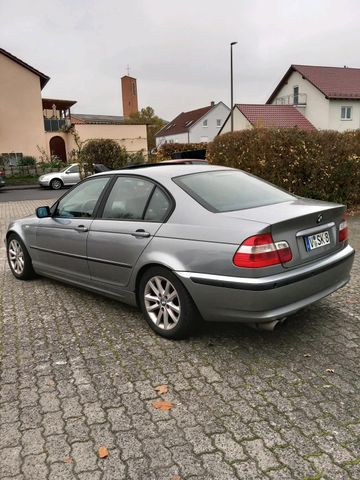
(228, 190)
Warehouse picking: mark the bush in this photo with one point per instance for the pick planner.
(167, 149)
(323, 165)
(26, 161)
(106, 151)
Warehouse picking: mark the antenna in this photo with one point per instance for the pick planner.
(128, 69)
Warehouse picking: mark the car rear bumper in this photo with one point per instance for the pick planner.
(257, 300)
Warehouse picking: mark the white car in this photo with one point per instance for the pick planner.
(66, 177)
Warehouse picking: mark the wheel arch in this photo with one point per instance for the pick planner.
(146, 267)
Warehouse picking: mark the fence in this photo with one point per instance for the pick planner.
(27, 170)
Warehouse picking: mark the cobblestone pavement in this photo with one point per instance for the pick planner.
(78, 372)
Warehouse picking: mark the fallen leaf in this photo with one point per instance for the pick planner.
(330, 370)
(176, 477)
(162, 405)
(307, 354)
(162, 389)
(103, 452)
(68, 459)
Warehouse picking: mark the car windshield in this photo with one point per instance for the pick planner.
(228, 190)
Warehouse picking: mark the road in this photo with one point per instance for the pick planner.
(18, 195)
(79, 371)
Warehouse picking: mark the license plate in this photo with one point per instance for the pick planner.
(316, 241)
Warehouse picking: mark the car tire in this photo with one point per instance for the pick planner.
(56, 184)
(166, 304)
(19, 259)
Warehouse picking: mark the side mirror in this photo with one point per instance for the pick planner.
(43, 212)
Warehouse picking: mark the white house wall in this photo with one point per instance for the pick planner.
(317, 109)
(335, 122)
(240, 122)
(198, 133)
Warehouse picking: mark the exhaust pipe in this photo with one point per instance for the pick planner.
(269, 326)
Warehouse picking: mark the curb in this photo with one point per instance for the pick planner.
(18, 187)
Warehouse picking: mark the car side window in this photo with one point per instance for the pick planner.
(81, 201)
(73, 169)
(128, 198)
(158, 208)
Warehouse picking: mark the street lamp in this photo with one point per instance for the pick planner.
(232, 85)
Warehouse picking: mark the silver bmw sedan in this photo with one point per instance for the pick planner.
(185, 242)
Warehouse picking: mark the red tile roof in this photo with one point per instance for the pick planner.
(275, 116)
(43, 78)
(334, 82)
(183, 122)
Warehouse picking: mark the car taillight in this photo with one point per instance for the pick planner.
(343, 229)
(261, 251)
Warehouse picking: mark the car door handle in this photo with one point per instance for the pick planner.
(81, 228)
(141, 233)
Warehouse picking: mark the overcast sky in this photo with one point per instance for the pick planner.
(178, 50)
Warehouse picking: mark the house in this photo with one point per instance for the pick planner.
(329, 97)
(32, 125)
(266, 116)
(196, 126)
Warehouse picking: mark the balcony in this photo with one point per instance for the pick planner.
(55, 124)
(298, 100)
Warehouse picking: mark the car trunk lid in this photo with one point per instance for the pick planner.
(303, 224)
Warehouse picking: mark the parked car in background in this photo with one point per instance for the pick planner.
(188, 241)
(2, 178)
(64, 178)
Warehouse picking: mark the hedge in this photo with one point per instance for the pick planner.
(167, 149)
(323, 164)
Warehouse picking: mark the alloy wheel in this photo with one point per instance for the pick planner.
(56, 184)
(162, 302)
(16, 256)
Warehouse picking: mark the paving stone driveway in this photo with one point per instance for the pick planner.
(78, 372)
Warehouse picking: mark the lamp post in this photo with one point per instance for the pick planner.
(232, 85)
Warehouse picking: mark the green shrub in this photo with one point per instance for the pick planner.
(137, 157)
(167, 149)
(26, 161)
(106, 151)
(323, 165)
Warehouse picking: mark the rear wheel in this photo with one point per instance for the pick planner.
(56, 184)
(165, 303)
(19, 258)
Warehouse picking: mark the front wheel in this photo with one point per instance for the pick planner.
(165, 303)
(19, 258)
(56, 184)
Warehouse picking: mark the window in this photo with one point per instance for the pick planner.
(205, 123)
(296, 95)
(73, 169)
(346, 113)
(81, 201)
(224, 191)
(218, 122)
(128, 198)
(158, 208)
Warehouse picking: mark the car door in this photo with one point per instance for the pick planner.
(130, 217)
(71, 176)
(60, 240)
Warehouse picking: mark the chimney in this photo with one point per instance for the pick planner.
(212, 103)
(129, 95)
